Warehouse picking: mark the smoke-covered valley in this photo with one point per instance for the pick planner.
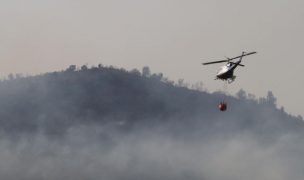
(108, 123)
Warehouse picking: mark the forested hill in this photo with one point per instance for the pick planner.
(108, 123)
(53, 102)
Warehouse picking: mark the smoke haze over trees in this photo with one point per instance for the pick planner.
(108, 123)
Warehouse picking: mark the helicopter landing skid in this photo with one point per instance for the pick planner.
(229, 80)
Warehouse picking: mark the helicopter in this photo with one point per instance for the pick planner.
(226, 73)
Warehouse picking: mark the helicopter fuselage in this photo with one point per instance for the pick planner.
(226, 72)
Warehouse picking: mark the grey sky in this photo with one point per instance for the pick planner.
(170, 36)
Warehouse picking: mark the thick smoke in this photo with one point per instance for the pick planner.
(105, 123)
(82, 154)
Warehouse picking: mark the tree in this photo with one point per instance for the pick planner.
(182, 83)
(100, 66)
(71, 68)
(11, 76)
(158, 76)
(146, 71)
(241, 94)
(18, 75)
(135, 71)
(84, 67)
(271, 99)
(251, 96)
(262, 100)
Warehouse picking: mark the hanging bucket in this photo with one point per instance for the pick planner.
(222, 106)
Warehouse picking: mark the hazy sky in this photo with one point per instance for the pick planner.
(170, 36)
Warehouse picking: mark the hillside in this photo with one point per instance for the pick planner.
(114, 124)
(55, 101)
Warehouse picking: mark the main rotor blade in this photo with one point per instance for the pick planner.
(246, 54)
(238, 64)
(229, 59)
(215, 62)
